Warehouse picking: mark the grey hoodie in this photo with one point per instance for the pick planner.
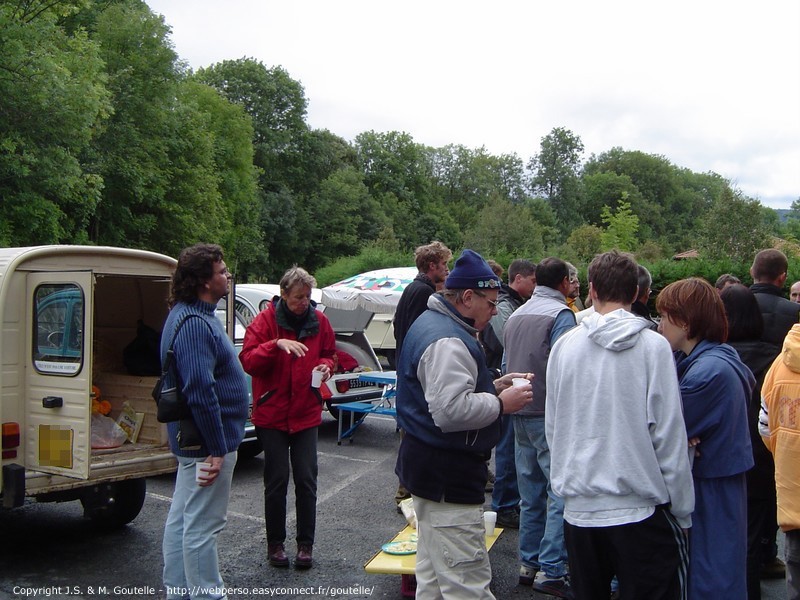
(614, 424)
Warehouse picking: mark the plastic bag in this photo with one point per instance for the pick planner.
(106, 433)
(407, 506)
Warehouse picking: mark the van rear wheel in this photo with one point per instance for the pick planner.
(113, 505)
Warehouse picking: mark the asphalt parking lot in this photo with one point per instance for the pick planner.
(51, 547)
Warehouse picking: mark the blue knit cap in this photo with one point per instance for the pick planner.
(471, 272)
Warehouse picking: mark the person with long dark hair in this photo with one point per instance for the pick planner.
(745, 329)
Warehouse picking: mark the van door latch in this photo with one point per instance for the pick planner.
(52, 402)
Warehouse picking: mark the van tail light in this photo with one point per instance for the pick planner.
(342, 386)
(10, 440)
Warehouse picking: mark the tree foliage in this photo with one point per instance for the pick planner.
(505, 230)
(107, 137)
(733, 228)
(556, 170)
(621, 227)
(54, 100)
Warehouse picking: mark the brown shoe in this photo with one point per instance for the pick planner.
(277, 555)
(303, 559)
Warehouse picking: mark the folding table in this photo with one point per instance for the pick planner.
(382, 406)
(405, 565)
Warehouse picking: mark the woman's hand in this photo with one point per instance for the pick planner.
(326, 371)
(292, 347)
(693, 443)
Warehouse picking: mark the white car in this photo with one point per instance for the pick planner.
(380, 333)
(252, 298)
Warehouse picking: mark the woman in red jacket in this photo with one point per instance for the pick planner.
(282, 346)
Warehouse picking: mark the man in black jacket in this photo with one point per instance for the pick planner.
(769, 273)
(431, 260)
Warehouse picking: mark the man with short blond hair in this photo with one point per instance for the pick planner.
(431, 260)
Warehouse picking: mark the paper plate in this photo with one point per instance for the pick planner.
(406, 547)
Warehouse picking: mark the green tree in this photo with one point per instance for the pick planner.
(621, 227)
(398, 174)
(234, 177)
(733, 228)
(356, 219)
(585, 242)
(545, 217)
(276, 104)
(54, 101)
(556, 173)
(134, 151)
(669, 201)
(606, 189)
(791, 228)
(505, 230)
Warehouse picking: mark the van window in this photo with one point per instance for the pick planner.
(58, 329)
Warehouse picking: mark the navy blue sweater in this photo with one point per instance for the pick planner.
(212, 379)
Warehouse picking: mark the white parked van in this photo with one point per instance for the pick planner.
(67, 314)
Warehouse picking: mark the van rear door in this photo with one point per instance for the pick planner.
(59, 373)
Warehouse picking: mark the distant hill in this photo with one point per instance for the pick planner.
(783, 213)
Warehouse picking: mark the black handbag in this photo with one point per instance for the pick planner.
(171, 403)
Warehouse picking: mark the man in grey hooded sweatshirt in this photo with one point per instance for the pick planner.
(619, 459)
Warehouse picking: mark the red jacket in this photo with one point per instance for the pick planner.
(283, 398)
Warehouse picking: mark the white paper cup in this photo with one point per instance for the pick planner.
(489, 521)
(316, 379)
(201, 471)
(520, 381)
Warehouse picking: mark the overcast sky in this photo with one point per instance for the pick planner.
(711, 85)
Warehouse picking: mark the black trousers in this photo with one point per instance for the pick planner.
(649, 558)
(281, 448)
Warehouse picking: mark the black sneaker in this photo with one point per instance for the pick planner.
(774, 569)
(526, 575)
(553, 586)
(508, 519)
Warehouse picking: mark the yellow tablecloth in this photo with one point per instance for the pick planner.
(405, 564)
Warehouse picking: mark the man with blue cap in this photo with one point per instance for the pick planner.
(450, 408)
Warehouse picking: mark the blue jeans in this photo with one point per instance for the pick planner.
(196, 517)
(541, 519)
(505, 495)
